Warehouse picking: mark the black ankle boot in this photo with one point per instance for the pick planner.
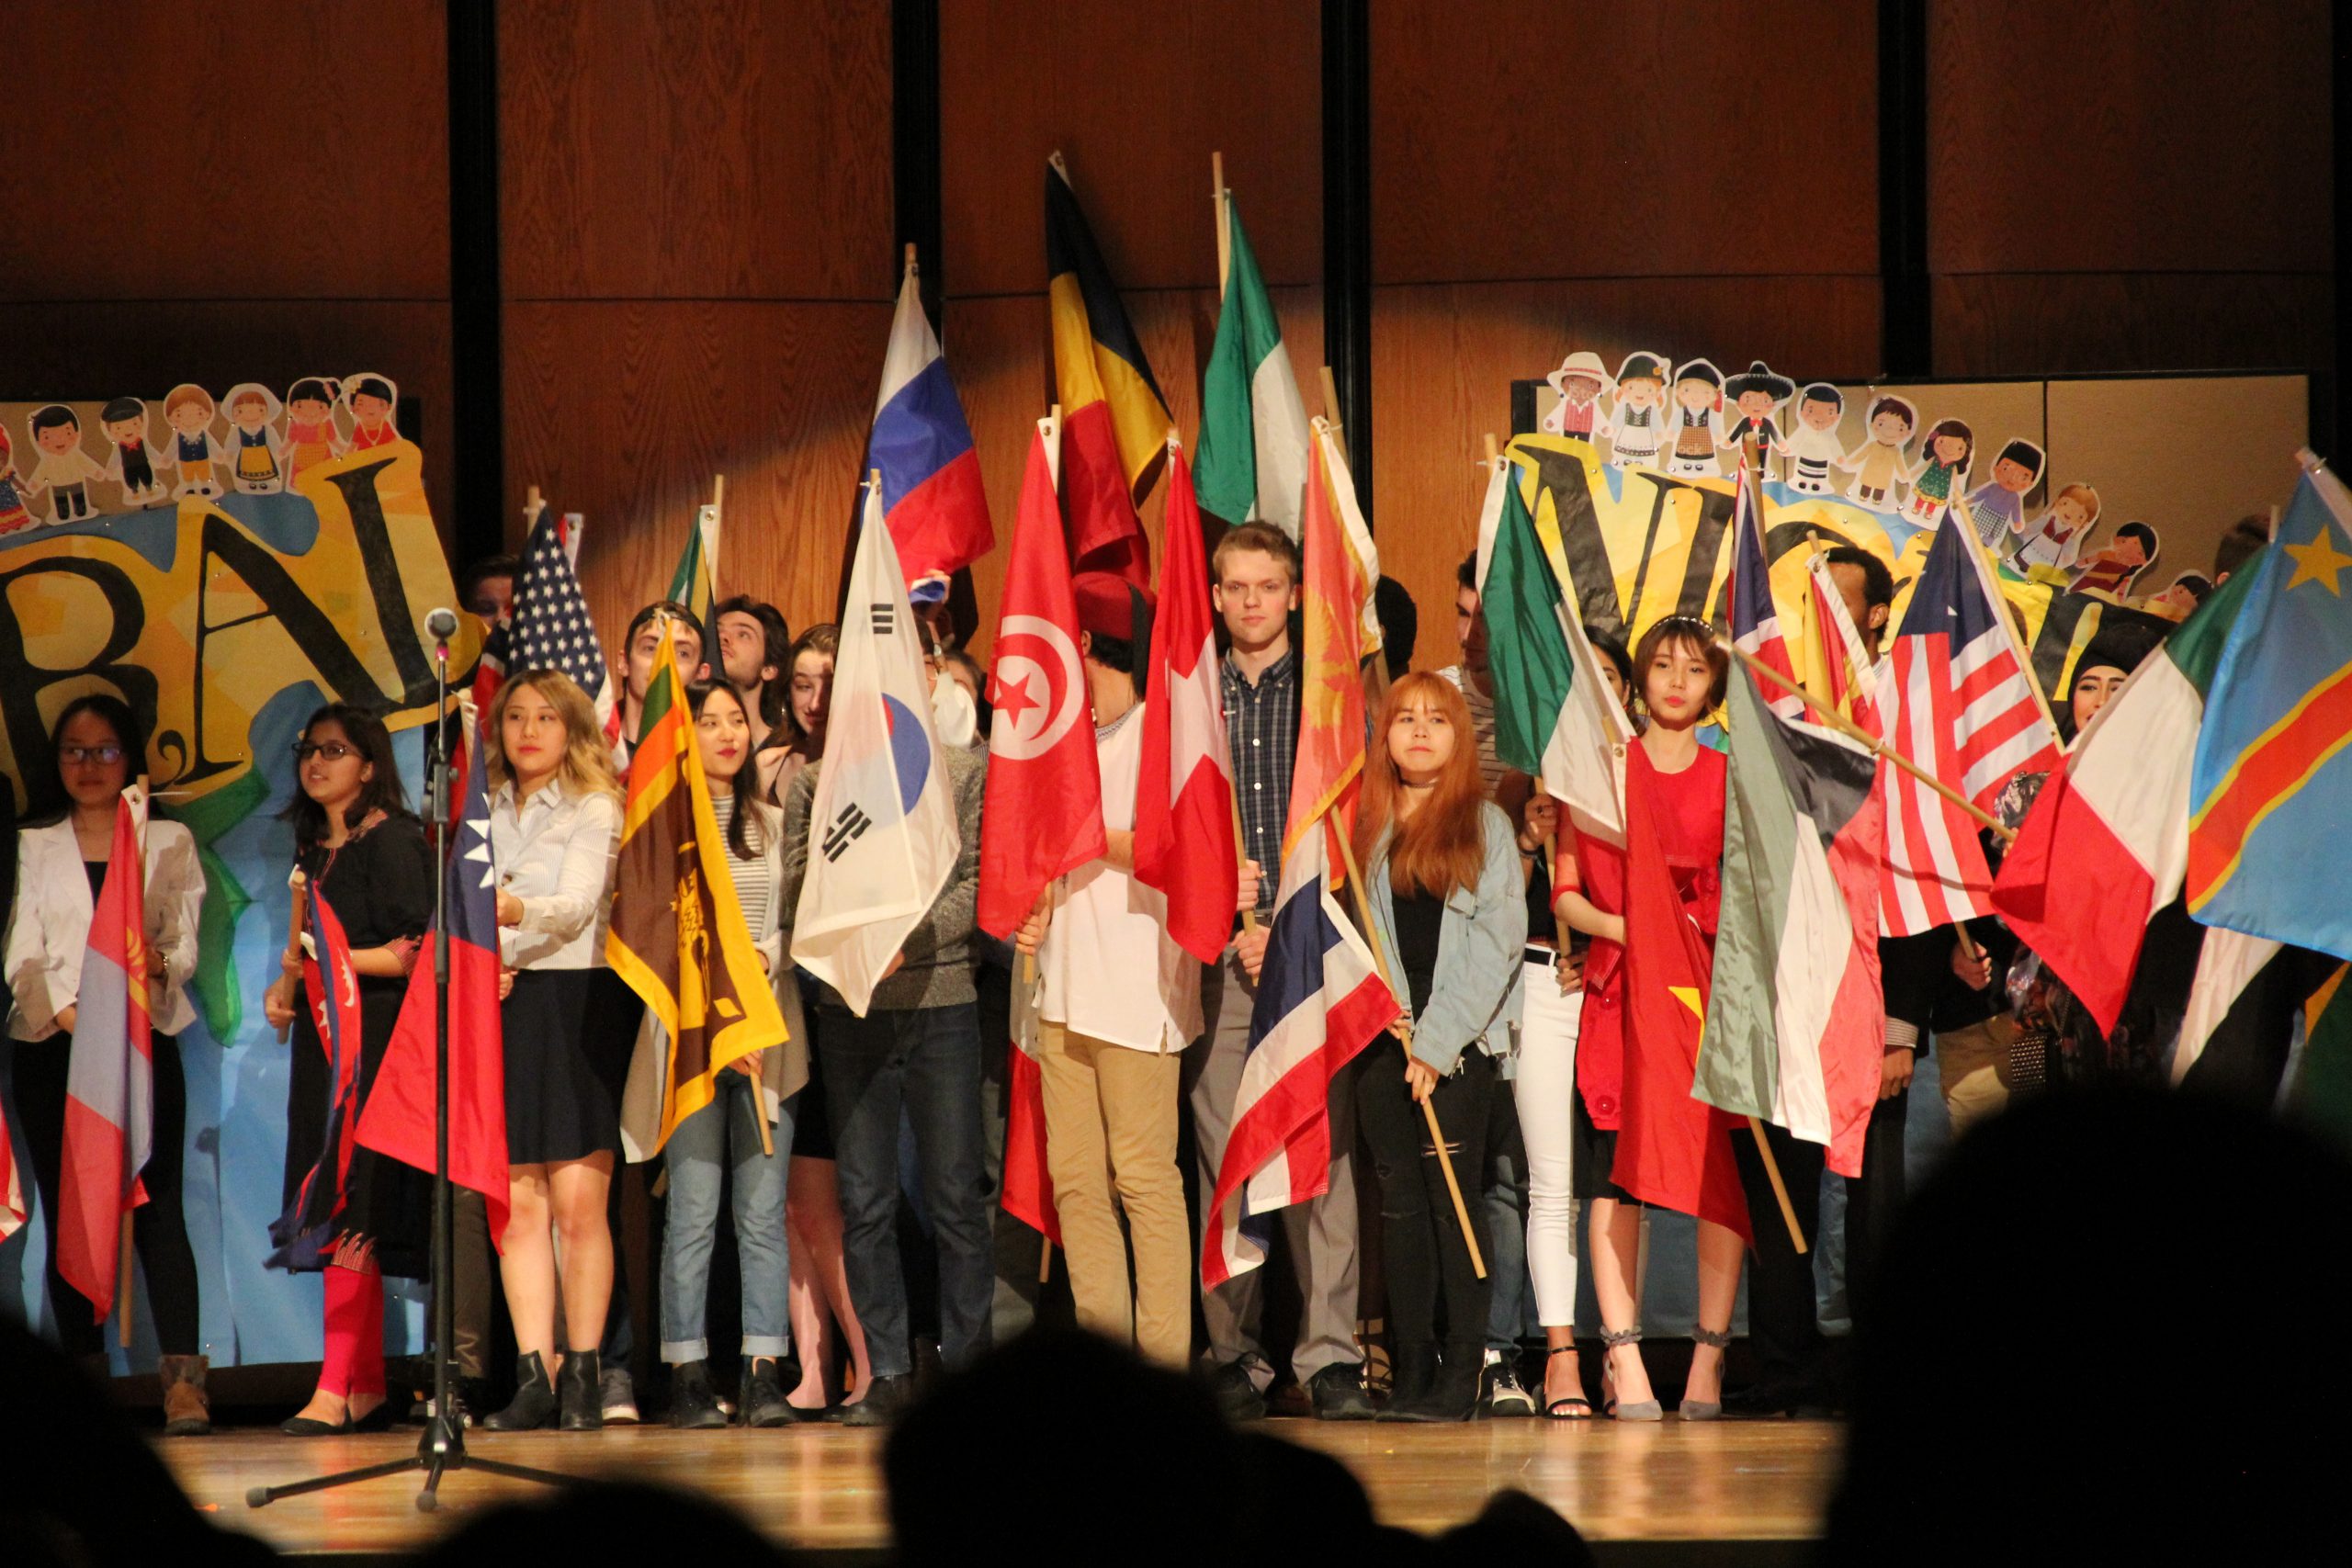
(694, 1403)
(1412, 1369)
(1453, 1395)
(579, 1390)
(535, 1402)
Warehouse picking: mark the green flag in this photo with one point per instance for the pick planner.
(695, 583)
(1252, 466)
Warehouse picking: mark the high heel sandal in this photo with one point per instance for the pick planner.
(1637, 1410)
(1577, 1407)
(1705, 1409)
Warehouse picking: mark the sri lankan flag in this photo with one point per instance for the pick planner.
(1114, 422)
(677, 934)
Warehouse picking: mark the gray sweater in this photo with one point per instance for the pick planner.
(939, 954)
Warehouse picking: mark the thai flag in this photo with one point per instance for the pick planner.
(331, 989)
(1320, 1000)
(930, 476)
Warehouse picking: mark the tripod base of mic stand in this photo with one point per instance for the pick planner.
(442, 1449)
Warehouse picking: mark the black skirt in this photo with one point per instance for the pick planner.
(569, 1036)
(1593, 1154)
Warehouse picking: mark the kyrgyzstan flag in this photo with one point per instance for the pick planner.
(1113, 410)
(111, 1081)
(397, 1120)
(1184, 799)
(1335, 607)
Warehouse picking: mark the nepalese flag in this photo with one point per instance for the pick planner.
(110, 1080)
(331, 990)
(1252, 462)
(397, 1120)
(551, 627)
(2271, 789)
(1320, 1000)
(1965, 708)
(1754, 617)
(922, 446)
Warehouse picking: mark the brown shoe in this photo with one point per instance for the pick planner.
(186, 1412)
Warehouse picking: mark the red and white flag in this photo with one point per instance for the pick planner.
(1184, 843)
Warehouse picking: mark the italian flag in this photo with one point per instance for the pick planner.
(1252, 466)
(2105, 845)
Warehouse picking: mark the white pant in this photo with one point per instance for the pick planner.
(1546, 1087)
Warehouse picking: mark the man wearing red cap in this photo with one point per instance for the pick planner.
(1110, 1045)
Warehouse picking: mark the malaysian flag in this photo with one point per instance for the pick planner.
(552, 628)
(1964, 708)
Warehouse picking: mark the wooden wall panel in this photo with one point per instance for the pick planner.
(696, 149)
(1516, 139)
(263, 150)
(625, 409)
(2073, 324)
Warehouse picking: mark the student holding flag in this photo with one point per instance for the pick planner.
(65, 863)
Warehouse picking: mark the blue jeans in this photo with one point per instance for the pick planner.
(927, 1060)
(726, 1133)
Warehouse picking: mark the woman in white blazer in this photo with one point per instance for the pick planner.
(98, 747)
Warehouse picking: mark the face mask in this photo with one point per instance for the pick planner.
(953, 716)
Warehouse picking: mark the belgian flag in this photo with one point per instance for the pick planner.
(1114, 422)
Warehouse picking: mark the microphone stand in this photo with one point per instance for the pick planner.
(442, 1447)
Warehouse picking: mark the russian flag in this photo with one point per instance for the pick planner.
(930, 476)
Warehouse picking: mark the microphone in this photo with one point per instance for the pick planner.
(442, 624)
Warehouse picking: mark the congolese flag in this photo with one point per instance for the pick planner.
(1252, 462)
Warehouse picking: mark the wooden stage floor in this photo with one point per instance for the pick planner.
(819, 1488)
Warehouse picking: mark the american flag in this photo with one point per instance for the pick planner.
(1964, 708)
(552, 628)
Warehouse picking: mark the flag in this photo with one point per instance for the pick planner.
(1965, 708)
(1253, 463)
(110, 1080)
(2271, 789)
(1320, 1000)
(1666, 1155)
(1043, 813)
(2322, 1096)
(551, 627)
(883, 837)
(922, 447)
(1838, 664)
(1184, 834)
(1328, 767)
(1755, 617)
(2240, 1019)
(397, 1120)
(677, 934)
(695, 583)
(1027, 1190)
(1362, 555)
(1114, 418)
(307, 1229)
(12, 1192)
(2105, 845)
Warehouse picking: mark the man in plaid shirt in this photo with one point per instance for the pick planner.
(1255, 575)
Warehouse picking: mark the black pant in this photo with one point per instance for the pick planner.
(158, 1229)
(1421, 1244)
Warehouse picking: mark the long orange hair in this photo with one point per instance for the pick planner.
(1443, 845)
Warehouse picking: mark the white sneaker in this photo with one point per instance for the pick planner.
(619, 1397)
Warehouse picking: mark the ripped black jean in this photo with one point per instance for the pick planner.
(1422, 1247)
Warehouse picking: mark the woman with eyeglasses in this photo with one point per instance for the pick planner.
(64, 863)
(362, 850)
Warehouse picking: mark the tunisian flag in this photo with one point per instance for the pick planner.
(1184, 799)
(1043, 813)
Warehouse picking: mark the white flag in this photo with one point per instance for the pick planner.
(882, 833)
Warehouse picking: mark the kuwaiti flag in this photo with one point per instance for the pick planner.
(1184, 841)
(922, 446)
(331, 990)
(882, 833)
(110, 1080)
(2238, 1024)
(1320, 1000)
(1253, 463)
(2105, 845)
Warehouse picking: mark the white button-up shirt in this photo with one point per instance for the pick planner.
(50, 930)
(556, 853)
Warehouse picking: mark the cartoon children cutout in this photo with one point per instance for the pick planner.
(14, 490)
(1812, 442)
(131, 465)
(2112, 570)
(1699, 389)
(1758, 394)
(256, 452)
(1877, 462)
(1944, 457)
(311, 434)
(188, 410)
(1637, 426)
(2056, 537)
(1580, 381)
(1996, 508)
(371, 399)
(63, 468)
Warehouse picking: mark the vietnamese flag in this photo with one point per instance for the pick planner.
(1184, 798)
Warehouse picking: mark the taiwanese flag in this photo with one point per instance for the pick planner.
(922, 446)
(397, 1120)
(110, 1083)
(1184, 800)
(331, 989)
(1116, 418)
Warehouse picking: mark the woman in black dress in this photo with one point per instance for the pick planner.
(368, 858)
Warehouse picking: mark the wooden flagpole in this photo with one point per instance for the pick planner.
(1331, 411)
(1224, 225)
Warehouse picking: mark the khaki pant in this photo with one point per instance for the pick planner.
(1110, 1128)
(1976, 1063)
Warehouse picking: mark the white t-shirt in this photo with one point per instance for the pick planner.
(1110, 931)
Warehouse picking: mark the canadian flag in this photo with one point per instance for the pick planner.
(1184, 842)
